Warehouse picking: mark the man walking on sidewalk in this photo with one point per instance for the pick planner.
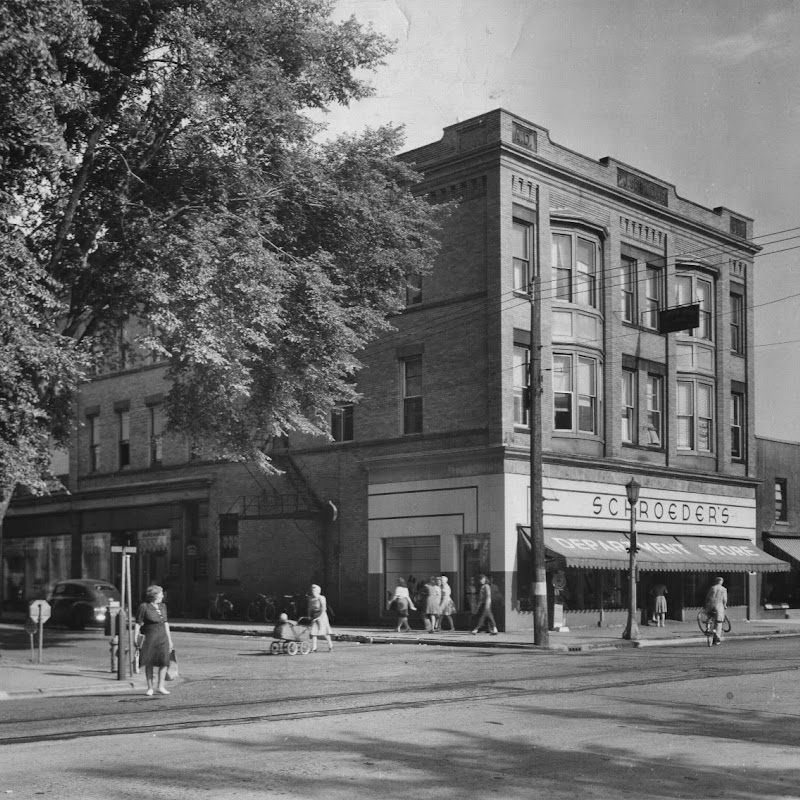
(716, 603)
(485, 608)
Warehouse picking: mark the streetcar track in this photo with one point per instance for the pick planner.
(365, 708)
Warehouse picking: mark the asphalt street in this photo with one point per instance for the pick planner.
(405, 721)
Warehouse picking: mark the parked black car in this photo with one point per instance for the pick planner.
(81, 603)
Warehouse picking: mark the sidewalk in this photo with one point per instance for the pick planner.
(20, 679)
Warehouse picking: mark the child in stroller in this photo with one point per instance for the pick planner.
(291, 637)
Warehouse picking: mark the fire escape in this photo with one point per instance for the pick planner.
(289, 496)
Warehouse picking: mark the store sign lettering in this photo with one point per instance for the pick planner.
(671, 548)
(663, 511)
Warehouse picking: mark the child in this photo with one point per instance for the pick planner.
(283, 630)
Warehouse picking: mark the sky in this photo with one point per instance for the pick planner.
(703, 94)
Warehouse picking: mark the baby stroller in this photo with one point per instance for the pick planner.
(294, 638)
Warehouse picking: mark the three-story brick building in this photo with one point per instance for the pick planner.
(430, 473)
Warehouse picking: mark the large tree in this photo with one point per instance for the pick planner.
(157, 158)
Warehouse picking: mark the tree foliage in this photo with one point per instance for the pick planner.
(157, 159)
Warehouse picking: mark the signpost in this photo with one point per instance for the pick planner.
(124, 621)
(39, 612)
(30, 629)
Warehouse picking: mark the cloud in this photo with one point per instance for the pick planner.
(773, 33)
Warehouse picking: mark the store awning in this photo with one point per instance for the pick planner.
(787, 547)
(657, 553)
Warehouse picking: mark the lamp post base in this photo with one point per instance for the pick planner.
(631, 631)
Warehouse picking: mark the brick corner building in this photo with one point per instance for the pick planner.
(430, 473)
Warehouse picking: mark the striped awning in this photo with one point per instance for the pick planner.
(787, 547)
(657, 553)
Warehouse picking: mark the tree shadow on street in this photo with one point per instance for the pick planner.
(447, 764)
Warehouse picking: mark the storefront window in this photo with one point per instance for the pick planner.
(474, 562)
(96, 556)
(413, 558)
(33, 565)
(778, 588)
(697, 584)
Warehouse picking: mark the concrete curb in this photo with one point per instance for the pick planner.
(123, 687)
(482, 642)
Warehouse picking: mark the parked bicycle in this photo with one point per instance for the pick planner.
(708, 622)
(262, 609)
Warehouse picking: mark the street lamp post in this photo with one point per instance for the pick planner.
(632, 628)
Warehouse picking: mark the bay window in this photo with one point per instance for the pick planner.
(695, 416)
(691, 289)
(575, 393)
(576, 261)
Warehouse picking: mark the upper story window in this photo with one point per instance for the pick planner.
(576, 262)
(628, 406)
(124, 442)
(414, 290)
(575, 393)
(94, 442)
(628, 288)
(737, 323)
(641, 283)
(522, 356)
(412, 394)
(655, 410)
(781, 507)
(737, 426)
(653, 294)
(690, 289)
(342, 423)
(522, 248)
(156, 434)
(695, 414)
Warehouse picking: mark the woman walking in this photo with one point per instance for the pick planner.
(448, 607)
(401, 602)
(152, 623)
(433, 602)
(318, 612)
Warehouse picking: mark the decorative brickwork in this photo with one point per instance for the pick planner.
(738, 268)
(642, 232)
(641, 186)
(739, 228)
(524, 137)
(524, 188)
(466, 190)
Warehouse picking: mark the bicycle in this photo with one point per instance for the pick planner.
(262, 609)
(708, 622)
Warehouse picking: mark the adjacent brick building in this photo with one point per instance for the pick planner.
(430, 472)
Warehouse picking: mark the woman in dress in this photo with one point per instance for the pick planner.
(433, 602)
(448, 607)
(659, 593)
(318, 612)
(152, 624)
(401, 602)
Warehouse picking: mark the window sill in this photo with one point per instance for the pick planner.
(650, 448)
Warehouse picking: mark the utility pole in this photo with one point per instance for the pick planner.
(539, 575)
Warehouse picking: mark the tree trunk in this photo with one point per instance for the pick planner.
(6, 493)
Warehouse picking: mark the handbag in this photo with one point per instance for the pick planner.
(172, 669)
